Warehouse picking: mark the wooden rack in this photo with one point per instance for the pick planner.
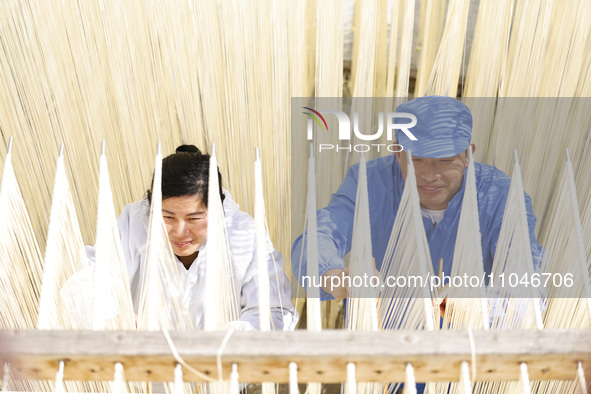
(320, 356)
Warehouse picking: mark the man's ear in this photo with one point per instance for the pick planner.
(397, 154)
(466, 161)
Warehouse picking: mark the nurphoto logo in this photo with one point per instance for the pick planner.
(345, 131)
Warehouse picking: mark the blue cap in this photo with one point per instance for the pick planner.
(443, 129)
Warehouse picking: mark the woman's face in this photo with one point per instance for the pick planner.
(186, 224)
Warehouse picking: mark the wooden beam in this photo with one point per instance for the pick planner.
(321, 356)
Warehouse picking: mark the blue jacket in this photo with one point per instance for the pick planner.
(385, 186)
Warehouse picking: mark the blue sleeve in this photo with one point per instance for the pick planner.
(537, 250)
(335, 226)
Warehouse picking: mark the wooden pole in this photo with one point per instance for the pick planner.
(320, 356)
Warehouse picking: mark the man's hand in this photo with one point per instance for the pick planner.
(336, 287)
(441, 301)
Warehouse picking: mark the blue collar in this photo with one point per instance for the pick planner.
(453, 207)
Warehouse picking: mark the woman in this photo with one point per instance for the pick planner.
(184, 209)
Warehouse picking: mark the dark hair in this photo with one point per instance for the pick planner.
(186, 173)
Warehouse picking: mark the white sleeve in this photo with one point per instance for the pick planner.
(126, 224)
(123, 222)
(283, 314)
(130, 226)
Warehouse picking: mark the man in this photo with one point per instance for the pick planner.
(440, 158)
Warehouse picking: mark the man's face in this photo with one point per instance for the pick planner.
(438, 180)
